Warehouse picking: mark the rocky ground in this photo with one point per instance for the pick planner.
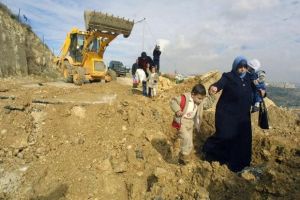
(105, 141)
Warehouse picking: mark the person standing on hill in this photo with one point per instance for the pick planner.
(156, 57)
(188, 110)
(232, 142)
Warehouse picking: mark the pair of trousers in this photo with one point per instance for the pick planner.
(144, 84)
(186, 136)
(152, 92)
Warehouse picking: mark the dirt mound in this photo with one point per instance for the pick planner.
(102, 141)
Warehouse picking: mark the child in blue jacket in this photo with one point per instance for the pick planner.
(258, 78)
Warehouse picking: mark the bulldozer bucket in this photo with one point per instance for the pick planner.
(107, 23)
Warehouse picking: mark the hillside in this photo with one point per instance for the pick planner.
(22, 52)
(285, 97)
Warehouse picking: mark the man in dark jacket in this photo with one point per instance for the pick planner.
(145, 62)
(156, 56)
(232, 142)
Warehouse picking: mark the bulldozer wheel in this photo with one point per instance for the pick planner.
(112, 74)
(78, 77)
(67, 72)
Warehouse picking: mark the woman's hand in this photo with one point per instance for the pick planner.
(213, 90)
(263, 92)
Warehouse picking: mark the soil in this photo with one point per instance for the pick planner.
(107, 141)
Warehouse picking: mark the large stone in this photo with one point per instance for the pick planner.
(112, 187)
(248, 176)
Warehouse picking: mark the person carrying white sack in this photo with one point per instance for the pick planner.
(140, 75)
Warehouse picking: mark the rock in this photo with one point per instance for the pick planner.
(160, 172)
(124, 128)
(120, 167)
(155, 135)
(215, 165)
(9, 153)
(125, 103)
(140, 173)
(207, 166)
(20, 155)
(272, 173)
(269, 102)
(24, 168)
(15, 107)
(112, 187)
(20, 143)
(78, 111)
(139, 154)
(248, 176)
(3, 131)
(104, 166)
(138, 132)
(266, 154)
(79, 140)
(149, 137)
(15, 152)
(41, 151)
(181, 181)
(202, 194)
(131, 157)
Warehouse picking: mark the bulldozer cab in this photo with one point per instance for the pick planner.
(76, 46)
(78, 41)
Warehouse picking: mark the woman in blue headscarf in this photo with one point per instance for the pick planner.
(231, 144)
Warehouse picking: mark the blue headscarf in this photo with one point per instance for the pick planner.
(235, 64)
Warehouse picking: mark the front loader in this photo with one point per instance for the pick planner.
(81, 56)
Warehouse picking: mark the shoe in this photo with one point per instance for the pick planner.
(254, 109)
(256, 171)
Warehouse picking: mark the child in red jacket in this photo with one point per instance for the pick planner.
(188, 109)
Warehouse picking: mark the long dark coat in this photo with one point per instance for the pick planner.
(231, 144)
(156, 57)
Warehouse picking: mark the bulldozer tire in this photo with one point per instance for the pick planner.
(67, 72)
(112, 74)
(78, 77)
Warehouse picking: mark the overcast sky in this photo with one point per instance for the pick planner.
(196, 35)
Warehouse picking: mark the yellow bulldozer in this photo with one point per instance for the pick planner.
(81, 56)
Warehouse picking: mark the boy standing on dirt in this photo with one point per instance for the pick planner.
(153, 83)
(188, 109)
